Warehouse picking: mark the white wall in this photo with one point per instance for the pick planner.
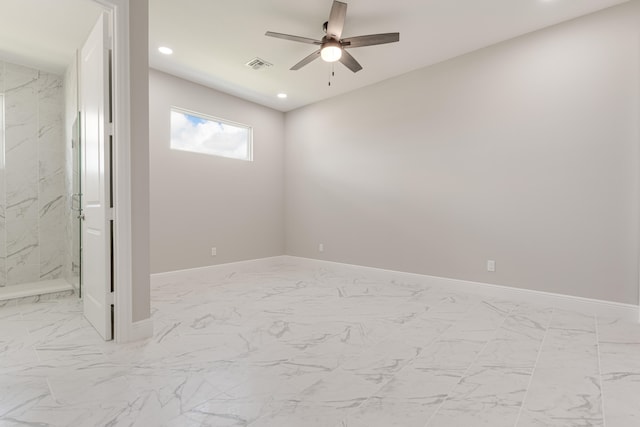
(525, 153)
(200, 201)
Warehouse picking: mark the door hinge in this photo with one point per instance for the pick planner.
(109, 127)
(111, 213)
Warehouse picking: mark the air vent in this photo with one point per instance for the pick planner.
(258, 64)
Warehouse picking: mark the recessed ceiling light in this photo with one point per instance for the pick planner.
(165, 50)
(282, 95)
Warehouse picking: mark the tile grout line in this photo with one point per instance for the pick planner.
(409, 363)
(315, 282)
(604, 421)
(390, 334)
(484, 347)
(535, 365)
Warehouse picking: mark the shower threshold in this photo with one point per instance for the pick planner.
(43, 288)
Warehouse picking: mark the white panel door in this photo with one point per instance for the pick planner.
(96, 229)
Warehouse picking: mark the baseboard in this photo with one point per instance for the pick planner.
(568, 302)
(140, 330)
(229, 267)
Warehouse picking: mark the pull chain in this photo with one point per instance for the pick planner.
(333, 73)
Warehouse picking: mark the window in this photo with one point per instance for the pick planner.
(209, 135)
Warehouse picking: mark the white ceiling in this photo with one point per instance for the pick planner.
(45, 33)
(213, 39)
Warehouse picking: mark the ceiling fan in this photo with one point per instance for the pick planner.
(332, 47)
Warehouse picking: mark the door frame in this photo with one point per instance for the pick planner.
(124, 330)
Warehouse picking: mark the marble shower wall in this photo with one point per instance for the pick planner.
(32, 179)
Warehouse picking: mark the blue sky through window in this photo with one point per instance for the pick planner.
(195, 120)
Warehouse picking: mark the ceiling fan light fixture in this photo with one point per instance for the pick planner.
(331, 51)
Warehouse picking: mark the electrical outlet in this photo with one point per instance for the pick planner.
(491, 265)
(320, 247)
(214, 251)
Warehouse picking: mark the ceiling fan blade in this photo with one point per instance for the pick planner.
(292, 38)
(315, 55)
(370, 40)
(350, 62)
(336, 19)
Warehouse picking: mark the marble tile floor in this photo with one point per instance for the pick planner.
(291, 346)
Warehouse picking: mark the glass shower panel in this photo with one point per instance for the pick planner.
(76, 210)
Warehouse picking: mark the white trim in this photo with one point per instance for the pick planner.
(122, 174)
(251, 264)
(141, 330)
(568, 302)
(125, 329)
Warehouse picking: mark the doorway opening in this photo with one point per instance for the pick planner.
(40, 167)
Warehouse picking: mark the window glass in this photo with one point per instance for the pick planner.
(209, 135)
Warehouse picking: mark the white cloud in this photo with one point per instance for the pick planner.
(199, 135)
